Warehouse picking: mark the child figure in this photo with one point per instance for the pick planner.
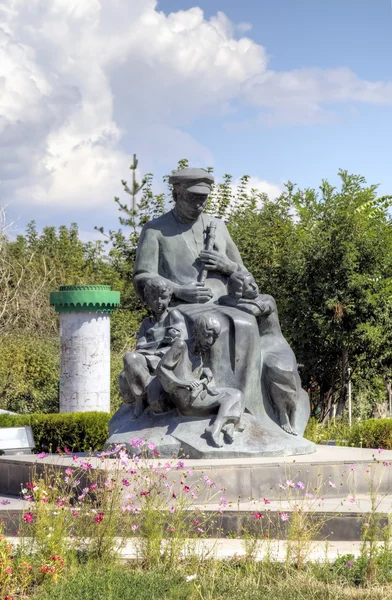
(279, 365)
(190, 384)
(156, 335)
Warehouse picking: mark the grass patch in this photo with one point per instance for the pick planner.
(223, 580)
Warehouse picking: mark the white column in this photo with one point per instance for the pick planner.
(85, 362)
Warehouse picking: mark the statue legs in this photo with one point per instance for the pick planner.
(284, 387)
(137, 375)
(139, 386)
(230, 410)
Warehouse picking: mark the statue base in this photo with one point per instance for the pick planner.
(184, 437)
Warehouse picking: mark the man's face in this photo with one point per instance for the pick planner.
(159, 301)
(250, 289)
(206, 338)
(190, 205)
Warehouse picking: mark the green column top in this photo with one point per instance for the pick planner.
(85, 298)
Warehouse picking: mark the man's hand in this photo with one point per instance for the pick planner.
(194, 292)
(195, 384)
(216, 261)
(207, 374)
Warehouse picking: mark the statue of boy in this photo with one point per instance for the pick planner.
(190, 385)
(279, 366)
(156, 335)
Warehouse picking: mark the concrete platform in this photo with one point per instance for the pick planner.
(342, 476)
(350, 471)
(221, 549)
(335, 519)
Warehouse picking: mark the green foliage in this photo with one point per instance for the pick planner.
(80, 432)
(29, 373)
(216, 580)
(320, 433)
(373, 433)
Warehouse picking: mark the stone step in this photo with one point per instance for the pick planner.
(222, 549)
(343, 470)
(333, 518)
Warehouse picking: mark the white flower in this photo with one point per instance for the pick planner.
(191, 577)
(24, 491)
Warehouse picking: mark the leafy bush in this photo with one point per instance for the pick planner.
(29, 373)
(373, 433)
(320, 433)
(80, 432)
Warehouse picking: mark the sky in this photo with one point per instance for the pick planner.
(279, 90)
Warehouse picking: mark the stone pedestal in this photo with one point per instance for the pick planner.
(85, 346)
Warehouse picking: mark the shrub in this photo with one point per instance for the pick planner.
(372, 433)
(81, 432)
(29, 373)
(320, 433)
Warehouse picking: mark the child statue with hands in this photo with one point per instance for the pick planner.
(138, 384)
(279, 365)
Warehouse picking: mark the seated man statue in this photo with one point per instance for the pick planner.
(279, 366)
(155, 337)
(190, 385)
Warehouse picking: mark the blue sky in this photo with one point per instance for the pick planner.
(306, 92)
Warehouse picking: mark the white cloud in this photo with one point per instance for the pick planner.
(309, 95)
(262, 186)
(83, 84)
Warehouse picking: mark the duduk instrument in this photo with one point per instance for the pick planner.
(210, 240)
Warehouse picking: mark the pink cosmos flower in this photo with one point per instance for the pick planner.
(86, 466)
(386, 463)
(351, 500)
(125, 482)
(332, 485)
(379, 450)
(75, 513)
(99, 517)
(353, 468)
(258, 515)
(172, 509)
(186, 489)
(172, 529)
(42, 455)
(151, 446)
(300, 485)
(28, 517)
(200, 529)
(284, 517)
(266, 501)
(366, 524)
(68, 471)
(307, 495)
(134, 527)
(181, 465)
(349, 564)
(5, 502)
(290, 483)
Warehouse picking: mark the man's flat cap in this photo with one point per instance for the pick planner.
(196, 181)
